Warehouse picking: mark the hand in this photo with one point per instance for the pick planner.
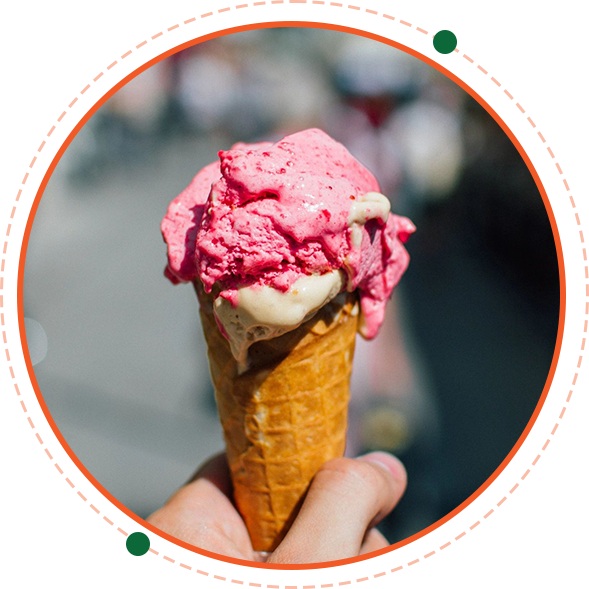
(346, 499)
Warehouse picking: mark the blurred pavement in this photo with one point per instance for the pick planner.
(125, 375)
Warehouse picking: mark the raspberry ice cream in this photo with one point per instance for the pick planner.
(286, 226)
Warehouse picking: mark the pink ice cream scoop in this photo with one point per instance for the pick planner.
(267, 215)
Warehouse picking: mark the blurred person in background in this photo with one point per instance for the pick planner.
(207, 107)
(487, 324)
(126, 130)
(413, 145)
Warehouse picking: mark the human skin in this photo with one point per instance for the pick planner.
(346, 499)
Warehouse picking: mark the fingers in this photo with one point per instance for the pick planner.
(216, 470)
(201, 513)
(374, 540)
(346, 498)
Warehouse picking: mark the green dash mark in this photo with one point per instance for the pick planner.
(457, 42)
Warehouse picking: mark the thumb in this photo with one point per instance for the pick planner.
(346, 498)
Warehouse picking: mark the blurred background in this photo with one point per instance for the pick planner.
(459, 366)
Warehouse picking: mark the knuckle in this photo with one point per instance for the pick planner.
(351, 476)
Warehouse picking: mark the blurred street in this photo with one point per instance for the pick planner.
(126, 376)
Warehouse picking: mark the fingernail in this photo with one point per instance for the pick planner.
(387, 461)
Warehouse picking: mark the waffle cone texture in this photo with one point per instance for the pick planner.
(286, 415)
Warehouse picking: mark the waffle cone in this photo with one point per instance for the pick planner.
(286, 415)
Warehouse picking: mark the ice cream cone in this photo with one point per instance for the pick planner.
(277, 233)
(286, 415)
